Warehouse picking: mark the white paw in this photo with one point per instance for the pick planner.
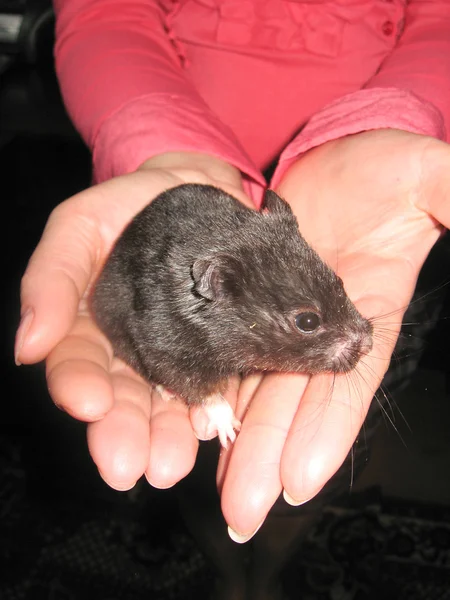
(165, 394)
(221, 419)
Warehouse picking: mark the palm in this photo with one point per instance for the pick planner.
(130, 432)
(295, 435)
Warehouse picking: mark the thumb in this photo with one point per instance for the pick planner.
(54, 282)
(435, 197)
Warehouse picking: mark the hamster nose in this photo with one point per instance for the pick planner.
(348, 352)
(365, 337)
(365, 343)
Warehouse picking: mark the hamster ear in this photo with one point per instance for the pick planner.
(273, 203)
(213, 275)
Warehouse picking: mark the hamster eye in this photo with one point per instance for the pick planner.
(307, 322)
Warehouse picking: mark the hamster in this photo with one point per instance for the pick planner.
(199, 287)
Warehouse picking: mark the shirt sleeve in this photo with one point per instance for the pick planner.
(410, 91)
(121, 77)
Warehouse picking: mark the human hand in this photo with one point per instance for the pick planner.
(131, 430)
(371, 204)
(283, 443)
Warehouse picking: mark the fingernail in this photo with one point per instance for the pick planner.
(119, 487)
(22, 331)
(204, 437)
(241, 539)
(158, 487)
(290, 500)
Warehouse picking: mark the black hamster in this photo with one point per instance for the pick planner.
(199, 287)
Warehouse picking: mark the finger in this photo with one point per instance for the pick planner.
(173, 445)
(329, 418)
(247, 390)
(80, 382)
(119, 443)
(54, 282)
(76, 239)
(252, 481)
(78, 372)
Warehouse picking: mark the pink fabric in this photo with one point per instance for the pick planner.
(246, 80)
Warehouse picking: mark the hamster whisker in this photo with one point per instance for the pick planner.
(331, 390)
(399, 354)
(386, 332)
(390, 402)
(385, 336)
(413, 302)
(354, 380)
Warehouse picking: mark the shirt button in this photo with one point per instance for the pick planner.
(387, 28)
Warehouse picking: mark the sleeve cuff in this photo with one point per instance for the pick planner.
(158, 123)
(376, 108)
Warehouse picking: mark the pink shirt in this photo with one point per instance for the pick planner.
(246, 80)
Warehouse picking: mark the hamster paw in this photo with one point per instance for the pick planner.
(221, 419)
(217, 416)
(165, 394)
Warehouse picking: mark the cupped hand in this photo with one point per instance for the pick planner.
(372, 205)
(131, 430)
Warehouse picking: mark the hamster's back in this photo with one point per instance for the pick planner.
(156, 251)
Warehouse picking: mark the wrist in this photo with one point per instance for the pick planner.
(212, 167)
